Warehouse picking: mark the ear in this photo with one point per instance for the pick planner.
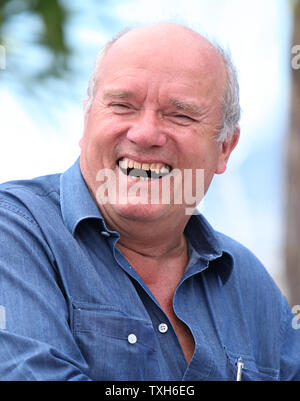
(225, 151)
(80, 142)
(86, 115)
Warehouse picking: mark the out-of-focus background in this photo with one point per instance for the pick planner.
(47, 52)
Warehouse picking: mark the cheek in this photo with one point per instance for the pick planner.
(203, 157)
(196, 156)
(105, 128)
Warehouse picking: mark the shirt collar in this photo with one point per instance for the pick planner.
(205, 245)
(203, 237)
(77, 205)
(76, 201)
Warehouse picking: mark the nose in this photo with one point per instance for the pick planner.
(147, 131)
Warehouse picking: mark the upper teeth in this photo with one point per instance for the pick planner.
(157, 167)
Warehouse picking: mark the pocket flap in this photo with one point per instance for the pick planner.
(250, 371)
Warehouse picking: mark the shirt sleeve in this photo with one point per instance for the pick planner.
(35, 334)
(290, 350)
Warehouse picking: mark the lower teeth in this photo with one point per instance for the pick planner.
(141, 174)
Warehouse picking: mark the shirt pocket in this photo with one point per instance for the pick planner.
(249, 370)
(115, 346)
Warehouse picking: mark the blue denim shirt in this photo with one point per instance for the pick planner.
(73, 308)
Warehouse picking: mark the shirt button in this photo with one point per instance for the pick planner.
(105, 234)
(163, 328)
(132, 338)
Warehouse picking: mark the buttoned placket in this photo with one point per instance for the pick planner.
(162, 327)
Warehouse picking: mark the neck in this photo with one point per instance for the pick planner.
(156, 239)
(157, 244)
(157, 255)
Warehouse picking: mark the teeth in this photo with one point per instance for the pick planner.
(123, 163)
(158, 168)
(137, 165)
(164, 170)
(152, 166)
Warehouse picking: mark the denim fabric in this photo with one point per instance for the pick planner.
(72, 307)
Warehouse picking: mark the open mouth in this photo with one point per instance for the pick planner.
(144, 171)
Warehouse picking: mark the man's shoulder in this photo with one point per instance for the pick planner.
(241, 254)
(41, 185)
(248, 269)
(233, 246)
(226, 244)
(25, 195)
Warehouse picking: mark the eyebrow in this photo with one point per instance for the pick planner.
(118, 94)
(189, 107)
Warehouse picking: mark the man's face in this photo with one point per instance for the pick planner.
(156, 108)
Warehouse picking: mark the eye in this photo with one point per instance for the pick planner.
(182, 119)
(121, 108)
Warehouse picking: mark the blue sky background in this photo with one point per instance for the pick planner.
(247, 202)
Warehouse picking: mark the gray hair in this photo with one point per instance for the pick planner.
(93, 82)
(231, 98)
(230, 101)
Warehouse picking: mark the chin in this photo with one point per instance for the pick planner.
(141, 212)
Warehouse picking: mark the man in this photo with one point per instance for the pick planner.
(96, 285)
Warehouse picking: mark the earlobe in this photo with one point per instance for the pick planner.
(227, 148)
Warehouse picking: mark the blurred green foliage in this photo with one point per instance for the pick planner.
(48, 62)
(39, 68)
(53, 16)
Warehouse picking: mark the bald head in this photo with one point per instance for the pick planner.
(176, 45)
(165, 36)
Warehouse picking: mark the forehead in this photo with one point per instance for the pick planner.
(168, 54)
